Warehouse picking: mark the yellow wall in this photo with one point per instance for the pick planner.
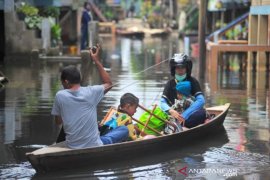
(265, 2)
(260, 2)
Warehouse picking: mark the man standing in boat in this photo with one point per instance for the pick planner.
(181, 67)
(76, 108)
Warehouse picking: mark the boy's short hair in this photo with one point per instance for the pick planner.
(71, 74)
(129, 98)
(184, 87)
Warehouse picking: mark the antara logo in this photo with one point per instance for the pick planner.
(225, 172)
(183, 171)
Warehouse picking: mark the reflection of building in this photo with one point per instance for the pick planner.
(13, 119)
(232, 75)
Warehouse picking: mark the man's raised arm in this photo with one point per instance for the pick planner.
(95, 54)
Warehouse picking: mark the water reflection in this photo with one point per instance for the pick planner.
(26, 124)
(233, 71)
(249, 122)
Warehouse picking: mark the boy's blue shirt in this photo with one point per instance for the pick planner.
(196, 105)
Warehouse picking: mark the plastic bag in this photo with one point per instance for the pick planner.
(154, 122)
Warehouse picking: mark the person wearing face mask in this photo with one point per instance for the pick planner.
(181, 67)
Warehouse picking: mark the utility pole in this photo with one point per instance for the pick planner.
(202, 46)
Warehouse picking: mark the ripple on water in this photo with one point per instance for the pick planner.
(23, 170)
(142, 172)
(156, 171)
(242, 162)
(33, 146)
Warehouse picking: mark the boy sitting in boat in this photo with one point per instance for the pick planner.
(184, 98)
(121, 116)
(183, 101)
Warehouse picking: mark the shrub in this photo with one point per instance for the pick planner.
(50, 12)
(28, 10)
(56, 34)
(33, 22)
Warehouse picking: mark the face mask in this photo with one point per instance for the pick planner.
(180, 78)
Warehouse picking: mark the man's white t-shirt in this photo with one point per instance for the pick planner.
(78, 109)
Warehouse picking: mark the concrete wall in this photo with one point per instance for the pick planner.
(18, 39)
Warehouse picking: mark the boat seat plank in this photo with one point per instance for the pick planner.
(59, 147)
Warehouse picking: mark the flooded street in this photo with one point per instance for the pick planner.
(241, 151)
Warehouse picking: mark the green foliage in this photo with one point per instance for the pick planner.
(236, 32)
(153, 15)
(155, 21)
(192, 23)
(50, 12)
(147, 9)
(32, 19)
(107, 11)
(230, 34)
(56, 31)
(55, 34)
(109, 15)
(33, 22)
(219, 24)
(28, 10)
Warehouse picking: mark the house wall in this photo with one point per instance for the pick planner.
(259, 34)
(259, 22)
(18, 39)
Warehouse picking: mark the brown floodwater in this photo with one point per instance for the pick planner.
(240, 151)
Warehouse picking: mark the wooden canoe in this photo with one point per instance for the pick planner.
(57, 157)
